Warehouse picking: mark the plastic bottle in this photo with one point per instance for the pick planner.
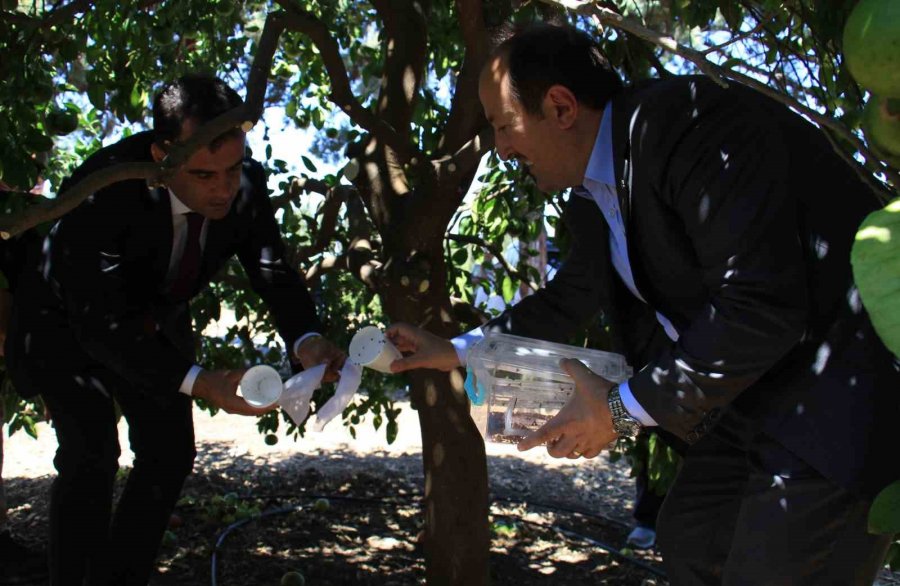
(516, 384)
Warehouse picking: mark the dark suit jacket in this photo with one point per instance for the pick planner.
(98, 300)
(739, 221)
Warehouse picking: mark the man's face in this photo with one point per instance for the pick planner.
(536, 142)
(209, 180)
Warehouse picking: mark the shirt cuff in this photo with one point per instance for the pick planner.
(633, 407)
(463, 342)
(301, 339)
(187, 385)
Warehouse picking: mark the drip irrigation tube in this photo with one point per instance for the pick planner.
(612, 550)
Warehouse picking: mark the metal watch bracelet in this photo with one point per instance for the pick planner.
(623, 423)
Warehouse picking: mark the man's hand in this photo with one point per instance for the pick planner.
(426, 349)
(317, 350)
(219, 389)
(584, 426)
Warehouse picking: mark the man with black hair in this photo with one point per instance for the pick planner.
(106, 318)
(725, 223)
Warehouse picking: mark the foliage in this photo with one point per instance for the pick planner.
(876, 270)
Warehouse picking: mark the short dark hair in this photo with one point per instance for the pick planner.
(196, 96)
(542, 55)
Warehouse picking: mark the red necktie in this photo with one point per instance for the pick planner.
(189, 268)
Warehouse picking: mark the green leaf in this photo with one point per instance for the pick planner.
(884, 516)
(308, 164)
(508, 288)
(876, 269)
(137, 97)
(391, 431)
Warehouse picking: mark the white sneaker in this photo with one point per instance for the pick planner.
(641, 538)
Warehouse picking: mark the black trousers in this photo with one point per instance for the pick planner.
(89, 542)
(751, 513)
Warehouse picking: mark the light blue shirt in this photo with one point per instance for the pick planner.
(600, 185)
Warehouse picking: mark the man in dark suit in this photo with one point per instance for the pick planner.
(727, 220)
(106, 319)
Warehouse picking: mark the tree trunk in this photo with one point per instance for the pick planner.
(456, 536)
(457, 540)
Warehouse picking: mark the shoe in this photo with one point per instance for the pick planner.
(641, 538)
(20, 564)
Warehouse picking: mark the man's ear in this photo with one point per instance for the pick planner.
(561, 106)
(157, 153)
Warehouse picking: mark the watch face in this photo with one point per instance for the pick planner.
(627, 427)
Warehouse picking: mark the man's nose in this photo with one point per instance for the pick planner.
(504, 150)
(227, 186)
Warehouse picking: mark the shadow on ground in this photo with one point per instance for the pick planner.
(340, 518)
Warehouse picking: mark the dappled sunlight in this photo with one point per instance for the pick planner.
(822, 356)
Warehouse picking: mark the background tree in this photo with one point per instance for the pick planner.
(390, 86)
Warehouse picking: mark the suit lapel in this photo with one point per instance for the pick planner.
(625, 108)
(161, 231)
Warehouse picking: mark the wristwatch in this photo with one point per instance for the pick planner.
(623, 423)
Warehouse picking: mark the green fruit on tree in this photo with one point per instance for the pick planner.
(62, 122)
(225, 7)
(293, 579)
(876, 269)
(271, 439)
(321, 505)
(882, 127)
(872, 46)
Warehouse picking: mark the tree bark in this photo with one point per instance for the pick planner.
(456, 538)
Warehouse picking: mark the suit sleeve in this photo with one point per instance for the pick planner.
(110, 320)
(726, 180)
(574, 295)
(262, 254)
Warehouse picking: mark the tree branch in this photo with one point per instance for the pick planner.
(358, 260)
(51, 209)
(52, 18)
(466, 116)
(497, 253)
(718, 74)
(304, 22)
(244, 116)
(466, 159)
(406, 51)
(468, 314)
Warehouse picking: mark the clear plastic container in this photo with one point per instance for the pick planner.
(516, 384)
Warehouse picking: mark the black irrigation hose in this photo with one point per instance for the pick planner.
(271, 513)
(384, 500)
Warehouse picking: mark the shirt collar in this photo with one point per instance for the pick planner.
(600, 165)
(178, 207)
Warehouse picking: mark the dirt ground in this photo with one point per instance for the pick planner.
(344, 511)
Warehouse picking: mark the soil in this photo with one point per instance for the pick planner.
(346, 511)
